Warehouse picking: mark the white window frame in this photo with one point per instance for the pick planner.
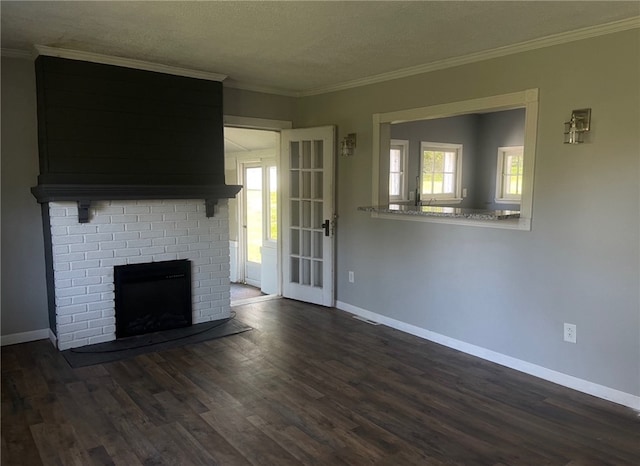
(449, 198)
(501, 198)
(403, 146)
(527, 99)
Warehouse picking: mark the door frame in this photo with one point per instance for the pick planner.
(236, 121)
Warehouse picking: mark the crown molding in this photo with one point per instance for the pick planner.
(548, 41)
(126, 62)
(262, 89)
(15, 53)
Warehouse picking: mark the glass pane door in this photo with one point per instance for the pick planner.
(307, 228)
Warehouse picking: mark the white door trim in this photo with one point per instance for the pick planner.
(268, 125)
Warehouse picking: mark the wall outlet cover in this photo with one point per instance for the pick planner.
(570, 333)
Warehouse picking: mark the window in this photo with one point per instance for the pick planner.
(440, 167)
(397, 170)
(509, 174)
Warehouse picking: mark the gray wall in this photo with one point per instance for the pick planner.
(511, 291)
(495, 129)
(24, 292)
(454, 130)
(508, 291)
(480, 135)
(23, 284)
(238, 102)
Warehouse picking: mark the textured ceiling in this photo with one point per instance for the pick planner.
(246, 140)
(295, 46)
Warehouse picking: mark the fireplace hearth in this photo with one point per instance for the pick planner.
(152, 297)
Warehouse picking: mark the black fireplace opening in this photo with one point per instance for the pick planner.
(152, 297)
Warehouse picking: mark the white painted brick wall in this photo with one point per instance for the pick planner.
(133, 232)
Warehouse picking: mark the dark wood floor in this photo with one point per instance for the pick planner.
(307, 386)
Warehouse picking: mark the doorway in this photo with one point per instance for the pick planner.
(292, 173)
(259, 234)
(251, 160)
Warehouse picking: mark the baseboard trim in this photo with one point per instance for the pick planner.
(569, 381)
(24, 337)
(53, 338)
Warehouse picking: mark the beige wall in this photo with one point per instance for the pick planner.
(511, 291)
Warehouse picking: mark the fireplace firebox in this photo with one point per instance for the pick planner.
(152, 297)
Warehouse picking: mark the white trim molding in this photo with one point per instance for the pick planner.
(24, 337)
(527, 99)
(126, 62)
(256, 123)
(548, 41)
(244, 86)
(53, 339)
(569, 381)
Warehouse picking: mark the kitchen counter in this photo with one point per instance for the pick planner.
(442, 211)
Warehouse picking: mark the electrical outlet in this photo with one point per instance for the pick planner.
(464, 192)
(351, 277)
(570, 333)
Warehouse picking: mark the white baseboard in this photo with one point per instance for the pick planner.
(600, 391)
(24, 337)
(53, 338)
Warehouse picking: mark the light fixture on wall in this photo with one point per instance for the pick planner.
(577, 126)
(348, 145)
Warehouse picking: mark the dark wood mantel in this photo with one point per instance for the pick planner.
(84, 194)
(112, 133)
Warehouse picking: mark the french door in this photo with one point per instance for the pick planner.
(308, 225)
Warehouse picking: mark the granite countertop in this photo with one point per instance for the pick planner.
(442, 211)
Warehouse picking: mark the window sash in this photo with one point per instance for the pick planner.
(398, 154)
(510, 174)
(440, 171)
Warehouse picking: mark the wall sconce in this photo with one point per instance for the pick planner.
(579, 124)
(348, 145)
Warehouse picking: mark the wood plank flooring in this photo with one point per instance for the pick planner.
(307, 386)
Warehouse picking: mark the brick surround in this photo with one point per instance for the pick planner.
(133, 232)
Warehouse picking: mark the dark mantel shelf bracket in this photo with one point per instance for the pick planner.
(84, 194)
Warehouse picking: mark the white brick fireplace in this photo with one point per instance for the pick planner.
(133, 232)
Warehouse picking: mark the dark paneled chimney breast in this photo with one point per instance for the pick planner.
(112, 133)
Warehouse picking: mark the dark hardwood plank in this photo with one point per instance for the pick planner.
(308, 385)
